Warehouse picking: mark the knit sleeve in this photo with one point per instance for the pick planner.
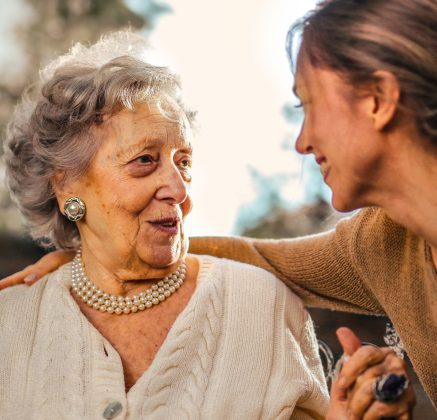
(317, 395)
(297, 388)
(324, 269)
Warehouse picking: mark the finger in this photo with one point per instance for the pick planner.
(338, 394)
(48, 263)
(361, 360)
(17, 278)
(53, 260)
(395, 364)
(396, 409)
(337, 406)
(357, 396)
(361, 398)
(336, 412)
(348, 340)
(34, 272)
(391, 364)
(363, 404)
(371, 374)
(407, 415)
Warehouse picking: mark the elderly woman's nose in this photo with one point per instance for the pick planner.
(172, 186)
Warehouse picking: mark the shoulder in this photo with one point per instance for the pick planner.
(21, 303)
(253, 288)
(19, 311)
(372, 224)
(242, 275)
(371, 232)
(19, 297)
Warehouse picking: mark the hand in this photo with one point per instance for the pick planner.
(352, 392)
(34, 272)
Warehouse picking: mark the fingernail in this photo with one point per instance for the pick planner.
(346, 358)
(30, 278)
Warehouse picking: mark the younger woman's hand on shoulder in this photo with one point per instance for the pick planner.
(32, 273)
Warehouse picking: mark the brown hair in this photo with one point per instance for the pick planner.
(359, 37)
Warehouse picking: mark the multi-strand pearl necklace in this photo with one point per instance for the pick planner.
(105, 302)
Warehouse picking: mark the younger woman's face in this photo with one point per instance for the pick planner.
(339, 132)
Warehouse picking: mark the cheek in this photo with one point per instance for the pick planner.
(187, 206)
(133, 197)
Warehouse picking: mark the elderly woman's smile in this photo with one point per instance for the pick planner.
(136, 193)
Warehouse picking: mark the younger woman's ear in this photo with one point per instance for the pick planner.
(386, 94)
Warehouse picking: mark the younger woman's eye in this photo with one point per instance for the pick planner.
(299, 105)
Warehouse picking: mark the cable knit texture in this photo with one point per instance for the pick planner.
(368, 264)
(243, 348)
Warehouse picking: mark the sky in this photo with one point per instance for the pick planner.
(232, 61)
(231, 56)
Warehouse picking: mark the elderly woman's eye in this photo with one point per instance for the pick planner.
(143, 165)
(145, 159)
(186, 163)
(185, 168)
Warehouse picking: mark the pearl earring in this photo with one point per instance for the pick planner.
(74, 209)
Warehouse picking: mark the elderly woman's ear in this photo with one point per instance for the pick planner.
(69, 203)
(61, 187)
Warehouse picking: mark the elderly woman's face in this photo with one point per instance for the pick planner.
(136, 190)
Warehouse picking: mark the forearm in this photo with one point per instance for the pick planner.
(315, 268)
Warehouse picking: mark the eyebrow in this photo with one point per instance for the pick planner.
(148, 143)
(143, 144)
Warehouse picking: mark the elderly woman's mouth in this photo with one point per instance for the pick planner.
(168, 225)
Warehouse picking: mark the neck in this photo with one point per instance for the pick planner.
(409, 192)
(128, 280)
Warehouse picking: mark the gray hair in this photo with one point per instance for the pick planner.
(51, 127)
(356, 38)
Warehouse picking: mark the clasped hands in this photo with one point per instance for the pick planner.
(353, 391)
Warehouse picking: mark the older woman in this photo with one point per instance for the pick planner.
(99, 162)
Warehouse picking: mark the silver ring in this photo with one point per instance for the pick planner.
(390, 387)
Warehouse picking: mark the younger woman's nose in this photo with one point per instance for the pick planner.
(302, 146)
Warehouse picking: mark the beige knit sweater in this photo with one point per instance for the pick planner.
(243, 348)
(368, 264)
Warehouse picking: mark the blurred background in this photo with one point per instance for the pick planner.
(231, 56)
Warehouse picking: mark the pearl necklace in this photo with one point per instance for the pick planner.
(105, 302)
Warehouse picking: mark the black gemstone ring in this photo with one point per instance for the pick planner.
(390, 387)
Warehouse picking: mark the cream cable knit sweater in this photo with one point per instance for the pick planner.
(243, 348)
